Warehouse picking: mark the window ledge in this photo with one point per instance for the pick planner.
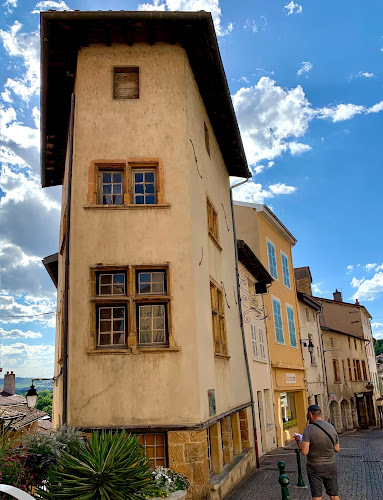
(215, 241)
(121, 350)
(260, 360)
(147, 350)
(128, 207)
(222, 356)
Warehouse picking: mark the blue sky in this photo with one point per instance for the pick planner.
(306, 80)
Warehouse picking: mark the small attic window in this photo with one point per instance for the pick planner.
(207, 138)
(125, 83)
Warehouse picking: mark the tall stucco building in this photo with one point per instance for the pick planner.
(272, 243)
(139, 128)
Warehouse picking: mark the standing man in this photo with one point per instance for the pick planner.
(320, 442)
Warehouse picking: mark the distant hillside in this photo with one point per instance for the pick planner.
(24, 383)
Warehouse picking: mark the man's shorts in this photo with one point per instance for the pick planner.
(322, 474)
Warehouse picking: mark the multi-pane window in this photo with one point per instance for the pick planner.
(285, 270)
(278, 321)
(144, 186)
(335, 363)
(292, 333)
(349, 369)
(212, 221)
(151, 324)
(218, 319)
(155, 448)
(151, 282)
(364, 370)
(356, 347)
(111, 325)
(125, 83)
(349, 342)
(272, 260)
(261, 343)
(254, 339)
(344, 370)
(111, 187)
(111, 284)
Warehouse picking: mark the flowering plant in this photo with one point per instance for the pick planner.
(168, 480)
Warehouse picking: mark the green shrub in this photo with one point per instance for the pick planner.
(106, 466)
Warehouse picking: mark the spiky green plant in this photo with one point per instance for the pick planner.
(107, 466)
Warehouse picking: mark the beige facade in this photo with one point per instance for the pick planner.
(272, 243)
(154, 334)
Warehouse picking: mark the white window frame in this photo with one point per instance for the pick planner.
(254, 342)
(289, 306)
(261, 343)
(275, 257)
(288, 270)
(275, 328)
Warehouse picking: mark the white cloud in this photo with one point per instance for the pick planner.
(341, 112)
(297, 148)
(252, 192)
(349, 268)
(306, 66)
(27, 309)
(18, 334)
(10, 5)
(316, 288)
(370, 267)
(32, 361)
(265, 71)
(12, 131)
(376, 325)
(49, 4)
(376, 108)
(24, 46)
(244, 79)
(264, 22)
(293, 8)
(251, 25)
(379, 268)
(355, 282)
(190, 6)
(377, 330)
(371, 288)
(362, 74)
(260, 168)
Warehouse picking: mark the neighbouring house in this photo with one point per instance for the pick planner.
(254, 282)
(272, 243)
(14, 412)
(351, 360)
(138, 127)
(312, 349)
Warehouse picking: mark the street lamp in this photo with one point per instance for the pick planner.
(32, 394)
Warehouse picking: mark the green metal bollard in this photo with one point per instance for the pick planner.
(283, 481)
(301, 483)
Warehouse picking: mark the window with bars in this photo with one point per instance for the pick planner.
(212, 221)
(285, 270)
(154, 445)
(272, 260)
(278, 321)
(261, 343)
(254, 344)
(126, 82)
(349, 369)
(335, 363)
(144, 186)
(291, 323)
(111, 184)
(218, 320)
(364, 370)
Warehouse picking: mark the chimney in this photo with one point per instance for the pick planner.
(337, 296)
(357, 302)
(9, 383)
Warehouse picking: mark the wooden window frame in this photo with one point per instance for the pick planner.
(364, 370)
(254, 341)
(142, 438)
(358, 369)
(112, 171)
(349, 369)
(135, 169)
(125, 69)
(111, 333)
(262, 346)
(213, 223)
(220, 344)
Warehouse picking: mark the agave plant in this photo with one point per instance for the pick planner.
(106, 466)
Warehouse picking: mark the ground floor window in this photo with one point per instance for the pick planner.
(155, 447)
(289, 414)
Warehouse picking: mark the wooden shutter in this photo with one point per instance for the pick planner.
(125, 83)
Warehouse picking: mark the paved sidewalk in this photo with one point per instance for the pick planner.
(360, 471)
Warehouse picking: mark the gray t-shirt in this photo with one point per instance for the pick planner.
(321, 451)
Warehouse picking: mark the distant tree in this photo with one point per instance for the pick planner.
(379, 347)
(44, 402)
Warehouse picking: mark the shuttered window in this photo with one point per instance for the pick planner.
(286, 272)
(364, 370)
(254, 339)
(261, 343)
(218, 319)
(125, 83)
(290, 318)
(272, 260)
(278, 322)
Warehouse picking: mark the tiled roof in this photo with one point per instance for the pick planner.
(19, 415)
(7, 399)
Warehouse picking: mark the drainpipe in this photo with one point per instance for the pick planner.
(66, 279)
(242, 327)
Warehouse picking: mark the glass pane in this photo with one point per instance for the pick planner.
(145, 288)
(106, 177)
(158, 277)
(140, 200)
(104, 339)
(157, 288)
(106, 188)
(159, 336)
(117, 178)
(145, 324)
(139, 188)
(118, 325)
(138, 177)
(160, 462)
(149, 188)
(118, 278)
(105, 326)
(160, 451)
(150, 200)
(105, 313)
(119, 338)
(105, 289)
(107, 200)
(118, 289)
(160, 439)
(150, 452)
(159, 323)
(145, 311)
(118, 312)
(117, 188)
(145, 338)
(159, 310)
(106, 279)
(149, 439)
(117, 200)
(144, 277)
(149, 177)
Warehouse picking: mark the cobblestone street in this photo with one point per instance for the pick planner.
(360, 471)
